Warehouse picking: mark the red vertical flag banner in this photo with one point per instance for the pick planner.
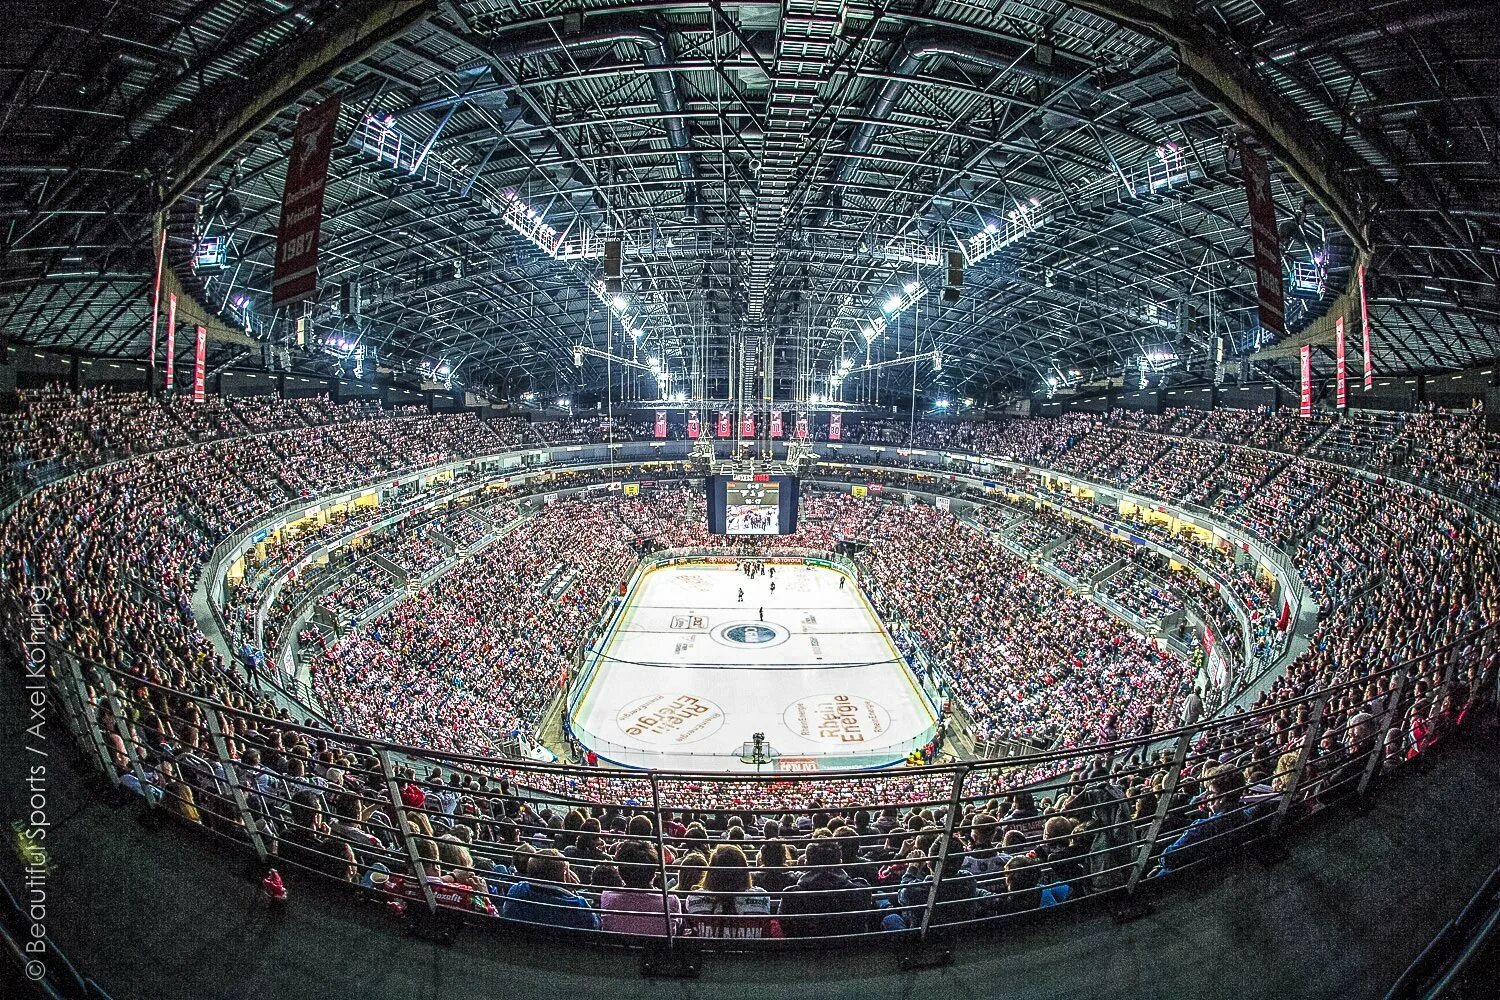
(296, 272)
(776, 430)
(1343, 371)
(161, 251)
(1307, 380)
(835, 427)
(723, 429)
(200, 355)
(747, 427)
(802, 428)
(693, 428)
(661, 423)
(171, 336)
(1364, 322)
(1266, 242)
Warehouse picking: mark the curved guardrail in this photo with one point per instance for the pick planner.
(913, 853)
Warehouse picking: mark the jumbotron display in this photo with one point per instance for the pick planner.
(761, 505)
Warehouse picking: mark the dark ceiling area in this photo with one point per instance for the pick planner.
(796, 173)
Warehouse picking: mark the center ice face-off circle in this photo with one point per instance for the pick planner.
(843, 720)
(757, 634)
(670, 719)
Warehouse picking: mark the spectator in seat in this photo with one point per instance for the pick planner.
(959, 895)
(775, 872)
(984, 859)
(825, 901)
(586, 852)
(641, 900)
(1025, 889)
(729, 906)
(543, 897)
(1216, 832)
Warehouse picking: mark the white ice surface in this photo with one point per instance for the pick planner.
(675, 689)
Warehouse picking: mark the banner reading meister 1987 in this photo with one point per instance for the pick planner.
(296, 273)
(1266, 242)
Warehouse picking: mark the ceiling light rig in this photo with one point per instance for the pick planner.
(1023, 218)
(894, 305)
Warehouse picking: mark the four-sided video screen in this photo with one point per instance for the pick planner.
(757, 505)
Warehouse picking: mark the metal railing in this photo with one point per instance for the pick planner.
(477, 843)
(715, 859)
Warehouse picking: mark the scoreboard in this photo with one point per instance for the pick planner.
(762, 504)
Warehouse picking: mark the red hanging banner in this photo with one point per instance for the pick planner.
(723, 429)
(802, 428)
(200, 355)
(296, 272)
(835, 426)
(775, 423)
(747, 427)
(161, 250)
(171, 335)
(1266, 242)
(1342, 370)
(1364, 322)
(661, 423)
(1307, 380)
(693, 428)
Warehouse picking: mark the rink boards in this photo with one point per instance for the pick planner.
(700, 657)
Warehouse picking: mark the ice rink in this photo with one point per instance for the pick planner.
(689, 671)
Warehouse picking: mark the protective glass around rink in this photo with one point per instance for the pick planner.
(701, 657)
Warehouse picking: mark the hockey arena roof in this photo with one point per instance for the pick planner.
(798, 172)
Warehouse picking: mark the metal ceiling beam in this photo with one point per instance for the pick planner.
(1318, 164)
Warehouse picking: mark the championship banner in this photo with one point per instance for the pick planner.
(661, 423)
(776, 423)
(747, 427)
(802, 428)
(835, 427)
(1307, 380)
(200, 354)
(693, 428)
(1267, 243)
(161, 251)
(1343, 372)
(1364, 321)
(296, 273)
(723, 429)
(171, 336)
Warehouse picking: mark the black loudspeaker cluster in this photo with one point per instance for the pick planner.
(954, 287)
(612, 285)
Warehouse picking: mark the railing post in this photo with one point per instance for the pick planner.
(1393, 715)
(1314, 734)
(117, 709)
(403, 829)
(1174, 775)
(236, 790)
(661, 861)
(954, 798)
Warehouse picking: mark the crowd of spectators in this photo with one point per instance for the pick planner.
(1397, 571)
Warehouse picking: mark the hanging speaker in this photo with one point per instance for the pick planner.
(955, 276)
(344, 299)
(612, 266)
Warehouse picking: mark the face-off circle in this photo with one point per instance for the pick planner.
(843, 720)
(670, 719)
(757, 635)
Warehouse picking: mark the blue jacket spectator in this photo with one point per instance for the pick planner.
(544, 897)
(1219, 830)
